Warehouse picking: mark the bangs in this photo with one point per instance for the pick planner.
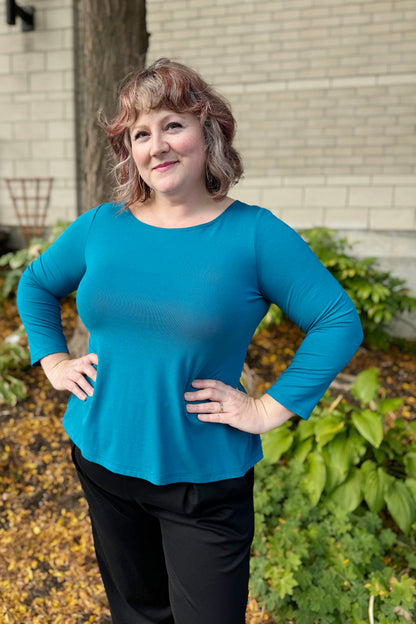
(164, 88)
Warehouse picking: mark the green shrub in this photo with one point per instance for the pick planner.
(335, 500)
(14, 263)
(13, 357)
(377, 295)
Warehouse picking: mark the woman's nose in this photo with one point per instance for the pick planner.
(159, 144)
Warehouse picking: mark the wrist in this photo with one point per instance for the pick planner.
(275, 414)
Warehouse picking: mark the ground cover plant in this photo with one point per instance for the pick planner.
(335, 496)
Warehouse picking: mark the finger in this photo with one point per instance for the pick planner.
(208, 383)
(92, 358)
(209, 394)
(75, 389)
(82, 383)
(213, 407)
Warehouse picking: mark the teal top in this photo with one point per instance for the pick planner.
(167, 306)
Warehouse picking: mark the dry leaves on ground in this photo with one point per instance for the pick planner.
(48, 572)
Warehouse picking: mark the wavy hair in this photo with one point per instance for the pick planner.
(172, 85)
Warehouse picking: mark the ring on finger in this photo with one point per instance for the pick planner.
(221, 407)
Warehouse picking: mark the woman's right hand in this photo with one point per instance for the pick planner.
(67, 374)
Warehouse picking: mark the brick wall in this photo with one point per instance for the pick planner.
(324, 94)
(37, 106)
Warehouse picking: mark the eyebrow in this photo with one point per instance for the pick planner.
(142, 125)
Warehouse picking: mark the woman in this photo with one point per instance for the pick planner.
(171, 282)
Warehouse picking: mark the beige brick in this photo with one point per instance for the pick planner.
(301, 219)
(6, 132)
(370, 197)
(14, 111)
(47, 110)
(398, 219)
(59, 60)
(28, 62)
(51, 149)
(29, 131)
(46, 81)
(325, 196)
(283, 197)
(13, 83)
(62, 168)
(5, 63)
(29, 167)
(61, 129)
(405, 196)
(347, 218)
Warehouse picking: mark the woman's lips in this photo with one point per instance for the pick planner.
(165, 166)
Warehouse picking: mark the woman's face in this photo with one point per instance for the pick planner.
(169, 151)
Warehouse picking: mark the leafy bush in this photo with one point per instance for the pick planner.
(15, 263)
(12, 357)
(335, 501)
(377, 295)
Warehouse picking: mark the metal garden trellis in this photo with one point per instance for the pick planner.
(30, 197)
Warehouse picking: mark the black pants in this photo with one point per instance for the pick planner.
(174, 553)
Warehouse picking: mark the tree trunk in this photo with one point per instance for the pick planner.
(112, 40)
(115, 42)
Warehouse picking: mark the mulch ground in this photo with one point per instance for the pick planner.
(48, 572)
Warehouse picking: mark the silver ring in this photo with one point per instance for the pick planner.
(221, 407)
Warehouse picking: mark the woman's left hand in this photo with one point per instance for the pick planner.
(229, 406)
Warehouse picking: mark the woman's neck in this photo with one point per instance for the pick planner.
(171, 214)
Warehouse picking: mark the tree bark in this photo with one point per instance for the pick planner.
(114, 41)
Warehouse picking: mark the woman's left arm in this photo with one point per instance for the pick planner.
(290, 275)
(229, 406)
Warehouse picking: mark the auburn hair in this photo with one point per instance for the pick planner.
(172, 85)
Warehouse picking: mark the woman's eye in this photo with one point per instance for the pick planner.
(140, 134)
(173, 125)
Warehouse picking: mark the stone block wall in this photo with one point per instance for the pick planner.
(324, 94)
(37, 127)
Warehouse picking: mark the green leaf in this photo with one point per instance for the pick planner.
(373, 484)
(412, 427)
(390, 405)
(410, 463)
(348, 495)
(369, 424)
(411, 486)
(366, 386)
(338, 461)
(401, 505)
(327, 428)
(303, 449)
(305, 429)
(276, 442)
(315, 477)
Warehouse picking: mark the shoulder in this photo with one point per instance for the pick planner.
(261, 219)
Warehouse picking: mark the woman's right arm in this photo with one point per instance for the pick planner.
(52, 276)
(66, 374)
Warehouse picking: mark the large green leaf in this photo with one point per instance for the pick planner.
(390, 405)
(315, 477)
(369, 424)
(410, 463)
(373, 484)
(327, 428)
(366, 386)
(305, 429)
(338, 461)
(348, 495)
(302, 449)
(411, 486)
(401, 504)
(276, 442)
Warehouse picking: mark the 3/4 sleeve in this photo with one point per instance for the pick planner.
(52, 276)
(292, 277)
